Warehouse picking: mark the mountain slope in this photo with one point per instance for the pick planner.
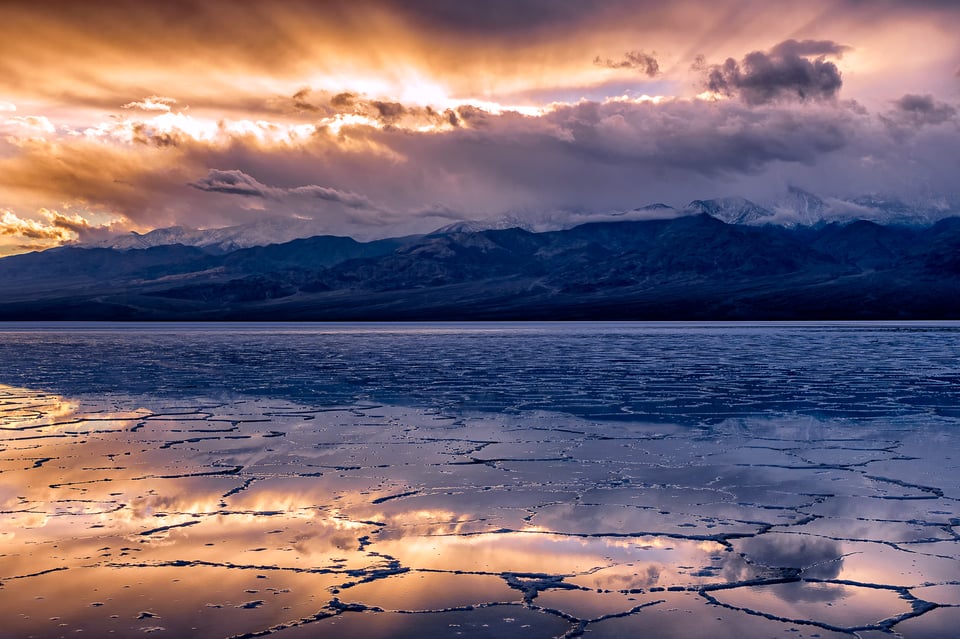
(690, 267)
(732, 210)
(219, 240)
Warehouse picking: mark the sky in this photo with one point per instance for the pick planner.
(373, 118)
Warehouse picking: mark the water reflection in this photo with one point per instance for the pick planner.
(812, 557)
(222, 518)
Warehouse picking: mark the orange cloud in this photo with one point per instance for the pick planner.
(153, 103)
(33, 124)
(13, 226)
(201, 52)
(53, 229)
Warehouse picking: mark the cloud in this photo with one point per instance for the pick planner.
(33, 123)
(153, 103)
(320, 110)
(644, 62)
(11, 225)
(806, 48)
(82, 228)
(582, 158)
(378, 112)
(114, 178)
(56, 229)
(348, 199)
(785, 72)
(301, 102)
(920, 110)
(688, 136)
(366, 166)
(212, 56)
(315, 103)
(344, 99)
(234, 182)
(389, 111)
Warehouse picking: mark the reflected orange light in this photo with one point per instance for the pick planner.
(110, 501)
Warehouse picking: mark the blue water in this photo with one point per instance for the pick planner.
(681, 372)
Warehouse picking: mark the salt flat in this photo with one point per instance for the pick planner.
(523, 480)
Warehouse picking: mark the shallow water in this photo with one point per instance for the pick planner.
(499, 480)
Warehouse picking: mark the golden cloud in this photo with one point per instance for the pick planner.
(54, 228)
(12, 225)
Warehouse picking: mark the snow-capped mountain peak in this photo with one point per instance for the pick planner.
(732, 210)
(492, 224)
(222, 239)
(796, 207)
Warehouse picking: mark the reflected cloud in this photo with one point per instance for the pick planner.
(298, 512)
(832, 605)
(813, 557)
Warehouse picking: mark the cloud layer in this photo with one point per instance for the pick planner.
(375, 118)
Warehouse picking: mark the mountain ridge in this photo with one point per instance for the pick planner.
(796, 207)
(688, 267)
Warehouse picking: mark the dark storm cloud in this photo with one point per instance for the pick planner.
(795, 48)
(640, 60)
(232, 182)
(346, 198)
(235, 182)
(784, 72)
(342, 100)
(301, 101)
(388, 112)
(319, 103)
(76, 225)
(699, 136)
(914, 111)
(925, 108)
(596, 156)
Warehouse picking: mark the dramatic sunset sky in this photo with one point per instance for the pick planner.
(376, 118)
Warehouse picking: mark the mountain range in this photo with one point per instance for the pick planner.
(217, 240)
(795, 207)
(690, 266)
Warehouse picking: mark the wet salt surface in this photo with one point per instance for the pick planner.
(534, 481)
